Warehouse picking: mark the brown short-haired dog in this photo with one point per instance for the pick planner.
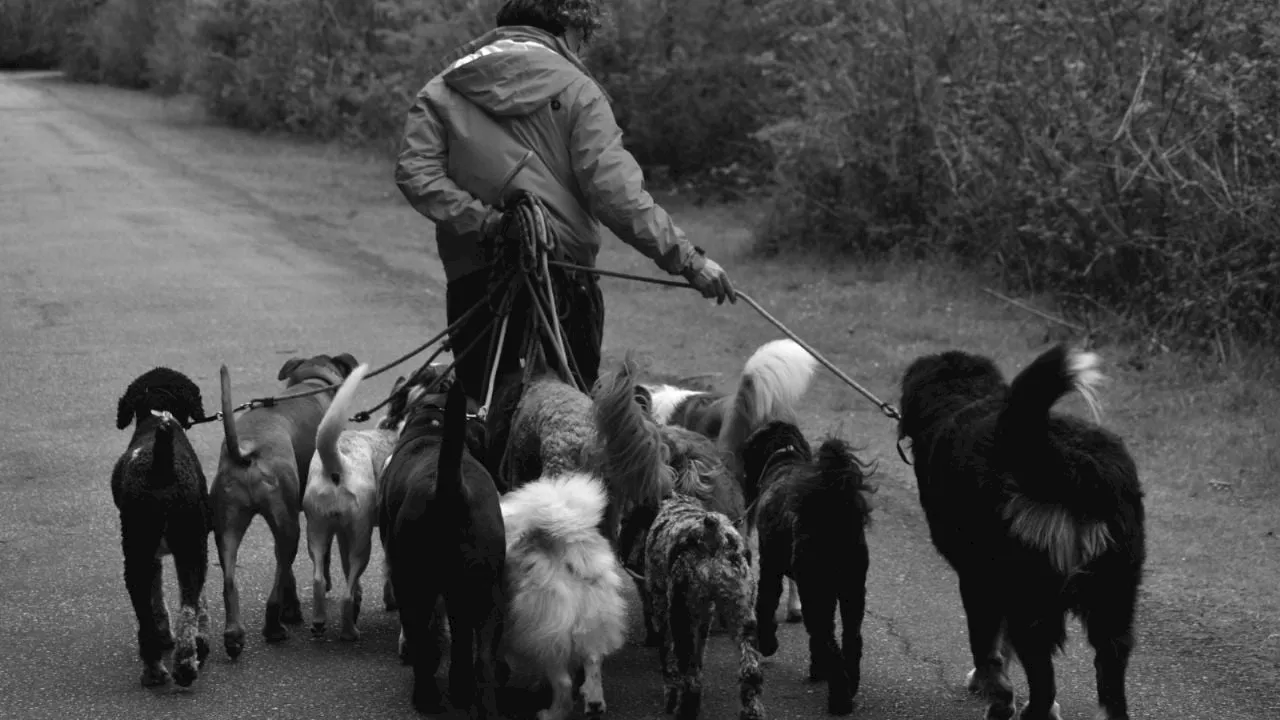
(261, 471)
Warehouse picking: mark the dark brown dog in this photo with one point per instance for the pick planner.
(261, 471)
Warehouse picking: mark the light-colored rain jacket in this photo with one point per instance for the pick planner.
(516, 110)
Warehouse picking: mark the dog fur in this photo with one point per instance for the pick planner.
(442, 531)
(158, 486)
(566, 611)
(340, 501)
(264, 463)
(1014, 492)
(696, 563)
(812, 518)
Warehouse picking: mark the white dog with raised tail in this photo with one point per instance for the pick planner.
(341, 501)
(566, 610)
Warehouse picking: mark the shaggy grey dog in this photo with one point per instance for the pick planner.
(695, 564)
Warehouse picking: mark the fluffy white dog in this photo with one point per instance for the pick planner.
(340, 500)
(566, 608)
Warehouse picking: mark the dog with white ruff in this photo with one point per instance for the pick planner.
(261, 471)
(773, 381)
(340, 501)
(1040, 514)
(811, 521)
(566, 611)
(159, 488)
(697, 564)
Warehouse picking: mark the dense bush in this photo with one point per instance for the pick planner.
(33, 32)
(1120, 154)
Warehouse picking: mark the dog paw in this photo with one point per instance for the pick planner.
(202, 651)
(795, 616)
(972, 683)
(185, 671)
(275, 633)
(1054, 713)
(154, 676)
(840, 703)
(291, 614)
(233, 641)
(349, 634)
(817, 673)
(317, 630)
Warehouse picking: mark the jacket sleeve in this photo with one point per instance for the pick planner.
(422, 176)
(613, 183)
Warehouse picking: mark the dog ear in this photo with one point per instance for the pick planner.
(346, 361)
(194, 405)
(124, 410)
(289, 366)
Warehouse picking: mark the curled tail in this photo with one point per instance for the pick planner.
(1057, 510)
(838, 489)
(773, 380)
(1055, 373)
(334, 422)
(453, 444)
(635, 463)
(234, 451)
(162, 447)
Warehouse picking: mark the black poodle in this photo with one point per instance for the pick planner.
(811, 515)
(159, 488)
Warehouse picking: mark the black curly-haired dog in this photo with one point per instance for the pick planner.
(811, 516)
(159, 488)
(441, 527)
(1040, 513)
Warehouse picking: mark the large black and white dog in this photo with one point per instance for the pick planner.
(442, 531)
(1040, 514)
(811, 516)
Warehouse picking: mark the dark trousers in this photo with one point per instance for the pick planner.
(578, 302)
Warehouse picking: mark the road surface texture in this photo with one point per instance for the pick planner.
(118, 253)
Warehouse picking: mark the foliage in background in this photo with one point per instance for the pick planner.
(1122, 154)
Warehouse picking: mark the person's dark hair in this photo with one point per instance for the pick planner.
(553, 16)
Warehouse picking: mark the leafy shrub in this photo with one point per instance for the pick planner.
(1120, 154)
(33, 32)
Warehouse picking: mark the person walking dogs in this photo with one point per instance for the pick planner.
(516, 110)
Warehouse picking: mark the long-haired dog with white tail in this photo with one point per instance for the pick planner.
(773, 382)
(159, 488)
(1039, 513)
(340, 501)
(566, 611)
(697, 565)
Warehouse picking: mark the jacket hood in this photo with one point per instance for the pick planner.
(513, 71)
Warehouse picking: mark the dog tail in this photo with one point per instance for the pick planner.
(234, 451)
(1055, 373)
(635, 464)
(773, 380)
(334, 422)
(1063, 517)
(162, 448)
(840, 486)
(453, 444)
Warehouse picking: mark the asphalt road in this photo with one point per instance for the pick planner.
(113, 260)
